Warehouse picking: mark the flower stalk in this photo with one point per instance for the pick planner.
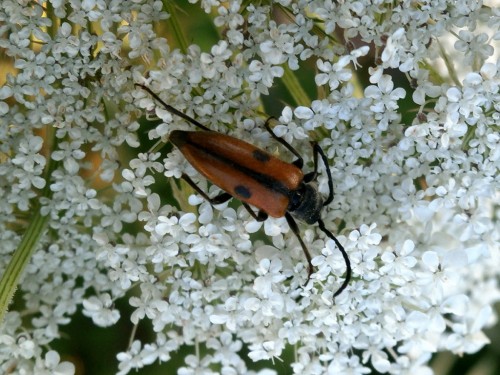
(20, 259)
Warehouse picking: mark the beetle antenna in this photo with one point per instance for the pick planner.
(321, 153)
(171, 109)
(344, 254)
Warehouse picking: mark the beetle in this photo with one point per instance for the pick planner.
(255, 177)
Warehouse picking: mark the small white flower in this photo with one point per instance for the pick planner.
(100, 310)
(333, 74)
(69, 154)
(392, 52)
(52, 365)
(473, 46)
(264, 73)
(270, 271)
(29, 158)
(384, 95)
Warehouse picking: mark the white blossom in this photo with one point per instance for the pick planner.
(404, 102)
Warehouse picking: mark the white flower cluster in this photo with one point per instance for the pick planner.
(414, 152)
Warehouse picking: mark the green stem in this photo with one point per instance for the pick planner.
(36, 228)
(294, 87)
(176, 27)
(449, 65)
(19, 260)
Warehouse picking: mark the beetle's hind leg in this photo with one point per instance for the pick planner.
(218, 199)
(259, 216)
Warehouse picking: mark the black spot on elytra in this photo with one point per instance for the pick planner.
(242, 192)
(260, 155)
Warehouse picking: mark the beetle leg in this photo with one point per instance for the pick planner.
(260, 216)
(218, 199)
(317, 150)
(295, 229)
(299, 162)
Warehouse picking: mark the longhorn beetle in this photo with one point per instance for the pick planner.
(256, 178)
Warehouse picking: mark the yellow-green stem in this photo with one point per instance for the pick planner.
(19, 260)
(449, 65)
(176, 27)
(294, 87)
